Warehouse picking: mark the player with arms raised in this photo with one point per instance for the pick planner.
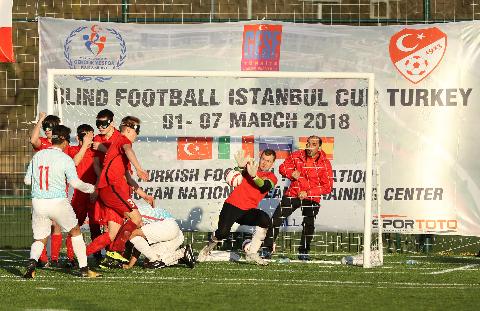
(241, 205)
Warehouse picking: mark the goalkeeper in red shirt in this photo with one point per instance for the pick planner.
(241, 205)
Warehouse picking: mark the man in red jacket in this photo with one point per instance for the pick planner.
(310, 175)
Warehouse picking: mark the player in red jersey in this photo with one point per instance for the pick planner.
(241, 205)
(101, 142)
(46, 123)
(83, 156)
(39, 143)
(115, 189)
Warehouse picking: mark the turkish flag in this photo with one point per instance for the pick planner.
(194, 148)
(6, 43)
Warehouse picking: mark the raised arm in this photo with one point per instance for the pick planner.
(87, 141)
(264, 185)
(35, 135)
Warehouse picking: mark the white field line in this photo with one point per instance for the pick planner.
(454, 269)
(249, 281)
(292, 270)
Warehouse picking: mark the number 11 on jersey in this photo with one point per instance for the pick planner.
(41, 169)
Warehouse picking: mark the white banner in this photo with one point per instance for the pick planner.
(425, 76)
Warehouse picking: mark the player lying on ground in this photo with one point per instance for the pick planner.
(241, 205)
(159, 240)
(46, 123)
(115, 190)
(47, 173)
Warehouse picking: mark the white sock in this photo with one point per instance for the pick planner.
(143, 247)
(36, 250)
(257, 239)
(80, 250)
(173, 257)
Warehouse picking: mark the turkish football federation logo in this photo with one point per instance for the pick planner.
(417, 52)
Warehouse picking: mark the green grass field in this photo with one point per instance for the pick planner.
(434, 283)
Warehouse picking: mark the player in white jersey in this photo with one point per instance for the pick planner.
(47, 173)
(159, 240)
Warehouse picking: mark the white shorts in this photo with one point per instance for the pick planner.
(46, 210)
(163, 236)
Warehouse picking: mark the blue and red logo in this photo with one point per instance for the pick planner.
(261, 47)
(95, 42)
(94, 48)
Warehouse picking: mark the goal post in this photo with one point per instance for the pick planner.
(371, 138)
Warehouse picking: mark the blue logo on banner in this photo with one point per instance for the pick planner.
(86, 48)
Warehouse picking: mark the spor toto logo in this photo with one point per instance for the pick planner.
(94, 48)
(417, 52)
(400, 223)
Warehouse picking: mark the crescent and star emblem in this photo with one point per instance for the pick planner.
(186, 149)
(402, 47)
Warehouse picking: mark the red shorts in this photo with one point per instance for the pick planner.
(83, 207)
(102, 215)
(116, 199)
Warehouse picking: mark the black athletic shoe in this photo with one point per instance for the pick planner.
(304, 257)
(157, 264)
(54, 264)
(71, 264)
(188, 257)
(30, 273)
(98, 258)
(43, 264)
(265, 253)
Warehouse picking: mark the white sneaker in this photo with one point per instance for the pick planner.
(254, 257)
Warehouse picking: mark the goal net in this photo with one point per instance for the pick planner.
(192, 123)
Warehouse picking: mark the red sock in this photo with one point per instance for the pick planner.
(43, 256)
(70, 253)
(123, 235)
(56, 245)
(94, 233)
(99, 243)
